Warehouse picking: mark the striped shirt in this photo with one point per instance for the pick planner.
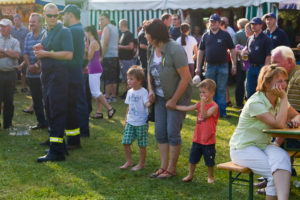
(10, 43)
(294, 88)
(20, 36)
(30, 41)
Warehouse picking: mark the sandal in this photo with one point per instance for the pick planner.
(166, 174)
(157, 173)
(97, 115)
(111, 112)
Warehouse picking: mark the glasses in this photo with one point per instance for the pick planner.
(52, 16)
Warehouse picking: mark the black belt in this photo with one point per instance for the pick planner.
(255, 65)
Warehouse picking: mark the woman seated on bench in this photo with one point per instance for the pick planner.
(250, 147)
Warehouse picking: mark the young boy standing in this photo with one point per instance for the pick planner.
(205, 132)
(136, 117)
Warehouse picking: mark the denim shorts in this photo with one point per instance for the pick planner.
(208, 152)
(168, 123)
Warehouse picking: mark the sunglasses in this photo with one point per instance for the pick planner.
(52, 16)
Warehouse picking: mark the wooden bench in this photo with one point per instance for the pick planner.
(294, 154)
(231, 167)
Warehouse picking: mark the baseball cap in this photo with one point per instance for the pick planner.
(6, 22)
(256, 20)
(71, 8)
(215, 17)
(272, 15)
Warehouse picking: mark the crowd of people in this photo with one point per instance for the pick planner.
(65, 63)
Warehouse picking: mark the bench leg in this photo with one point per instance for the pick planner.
(251, 186)
(230, 186)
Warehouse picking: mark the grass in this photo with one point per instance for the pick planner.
(93, 171)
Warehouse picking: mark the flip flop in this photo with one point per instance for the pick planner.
(97, 115)
(110, 113)
(166, 174)
(157, 173)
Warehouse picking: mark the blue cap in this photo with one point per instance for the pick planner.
(272, 15)
(71, 8)
(214, 17)
(256, 20)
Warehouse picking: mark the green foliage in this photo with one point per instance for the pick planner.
(93, 171)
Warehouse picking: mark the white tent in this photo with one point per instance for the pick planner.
(171, 4)
(136, 11)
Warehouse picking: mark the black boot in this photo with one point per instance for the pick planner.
(51, 157)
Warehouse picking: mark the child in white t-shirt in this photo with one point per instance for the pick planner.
(136, 117)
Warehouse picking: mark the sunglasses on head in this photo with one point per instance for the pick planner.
(52, 16)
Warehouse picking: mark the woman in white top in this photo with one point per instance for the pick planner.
(189, 43)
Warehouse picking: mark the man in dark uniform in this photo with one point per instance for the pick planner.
(278, 36)
(214, 43)
(258, 48)
(56, 47)
(142, 49)
(71, 19)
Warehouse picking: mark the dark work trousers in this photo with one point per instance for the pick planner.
(54, 79)
(7, 86)
(37, 98)
(82, 110)
(143, 61)
(240, 84)
(88, 93)
(72, 124)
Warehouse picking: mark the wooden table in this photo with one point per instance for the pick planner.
(284, 133)
(293, 133)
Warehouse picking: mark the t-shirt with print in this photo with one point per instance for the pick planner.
(191, 42)
(138, 111)
(154, 70)
(205, 131)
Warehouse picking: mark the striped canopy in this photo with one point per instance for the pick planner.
(135, 18)
(259, 11)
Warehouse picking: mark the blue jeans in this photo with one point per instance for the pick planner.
(219, 73)
(252, 77)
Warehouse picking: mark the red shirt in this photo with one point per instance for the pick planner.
(205, 131)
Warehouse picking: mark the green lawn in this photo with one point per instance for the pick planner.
(93, 171)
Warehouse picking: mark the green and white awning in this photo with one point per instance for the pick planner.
(259, 11)
(135, 18)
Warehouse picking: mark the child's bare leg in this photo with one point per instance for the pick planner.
(141, 163)
(127, 151)
(190, 176)
(210, 178)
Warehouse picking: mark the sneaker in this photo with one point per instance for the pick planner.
(108, 99)
(24, 90)
(113, 99)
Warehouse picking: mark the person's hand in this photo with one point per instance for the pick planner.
(296, 121)
(41, 54)
(278, 91)
(233, 70)
(203, 100)
(20, 67)
(31, 69)
(171, 104)
(151, 96)
(197, 71)
(298, 45)
(38, 47)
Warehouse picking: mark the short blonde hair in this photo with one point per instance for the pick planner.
(285, 51)
(266, 75)
(123, 22)
(208, 84)
(50, 6)
(137, 71)
(242, 22)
